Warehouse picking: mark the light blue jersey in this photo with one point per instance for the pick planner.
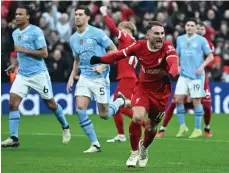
(191, 51)
(92, 41)
(32, 38)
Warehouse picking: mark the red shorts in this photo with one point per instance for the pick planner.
(151, 101)
(126, 87)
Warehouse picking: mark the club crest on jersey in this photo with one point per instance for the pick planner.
(89, 40)
(19, 38)
(188, 44)
(81, 41)
(195, 45)
(25, 38)
(159, 60)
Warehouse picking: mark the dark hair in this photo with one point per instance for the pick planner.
(201, 23)
(29, 11)
(191, 20)
(85, 8)
(153, 23)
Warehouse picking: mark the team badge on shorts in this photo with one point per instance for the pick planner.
(81, 41)
(19, 38)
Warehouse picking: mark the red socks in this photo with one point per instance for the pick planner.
(207, 111)
(168, 114)
(135, 135)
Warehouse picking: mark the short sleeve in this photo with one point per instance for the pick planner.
(39, 39)
(103, 39)
(205, 46)
(72, 47)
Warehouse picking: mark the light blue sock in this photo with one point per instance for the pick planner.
(14, 118)
(60, 116)
(180, 113)
(198, 119)
(87, 125)
(114, 107)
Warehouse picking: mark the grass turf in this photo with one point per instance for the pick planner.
(41, 150)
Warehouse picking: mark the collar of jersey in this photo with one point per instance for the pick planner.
(83, 32)
(151, 50)
(189, 38)
(24, 30)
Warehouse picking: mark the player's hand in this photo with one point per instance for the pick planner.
(99, 69)
(199, 71)
(10, 69)
(167, 78)
(19, 49)
(95, 60)
(103, 10)
(69, 85)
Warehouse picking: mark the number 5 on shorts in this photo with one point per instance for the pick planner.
(102, 92)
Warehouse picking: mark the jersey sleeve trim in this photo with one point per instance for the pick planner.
(119, 34)
(171, 56)
(124, 52)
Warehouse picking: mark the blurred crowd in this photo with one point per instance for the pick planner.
(56, 19)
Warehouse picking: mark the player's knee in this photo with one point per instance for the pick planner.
(80, 107)
(148, 126)
(51, 105)
(13, 105)
(206, 105)
(138, 118)
(196, 102)
(179, 100)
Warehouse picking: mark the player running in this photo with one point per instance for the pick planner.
(31, 48)
(126, 78)
(159, 65)
(206, 101)
(94, 79)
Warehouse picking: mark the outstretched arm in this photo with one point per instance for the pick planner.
(108, 21)
(116, 56)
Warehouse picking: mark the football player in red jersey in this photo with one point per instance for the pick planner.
(206, 101)
(126, 78)
(159, 64)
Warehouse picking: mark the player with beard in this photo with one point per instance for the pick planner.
(159, 64)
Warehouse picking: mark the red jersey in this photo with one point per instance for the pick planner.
(125, 40)
(154, 64)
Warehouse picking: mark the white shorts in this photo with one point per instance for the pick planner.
(186, 86)
(40, 82)
(99, 88)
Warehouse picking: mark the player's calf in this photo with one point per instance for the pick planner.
(10, 142)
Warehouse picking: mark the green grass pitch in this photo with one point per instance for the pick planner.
(42, 151)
